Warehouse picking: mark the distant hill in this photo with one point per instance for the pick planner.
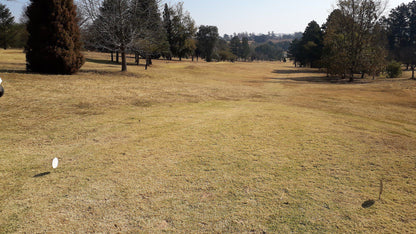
(262, 38)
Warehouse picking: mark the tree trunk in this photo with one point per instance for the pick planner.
(112, 56)
(413, 71)
(117, 60)
(123, 60)
(147, 62)
(137, 58)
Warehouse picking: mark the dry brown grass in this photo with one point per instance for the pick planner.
(198, 147)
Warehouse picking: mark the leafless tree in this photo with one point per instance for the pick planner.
(119, 25)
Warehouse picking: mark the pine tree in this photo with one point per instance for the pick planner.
(167, 24)
(6, 23)
(180, 29)
(235, 46)
(312, 44)
(152, 39)
(401, 26)
(54, 43)
(245, 49)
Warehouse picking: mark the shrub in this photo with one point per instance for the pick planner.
(227, 56)
(394, 69)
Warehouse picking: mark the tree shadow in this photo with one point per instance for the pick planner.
(42, 174)
(98, 72)
(108, 62)
(312, 79)
(100, 61)
(297, 70)
(321, 79)
(13, 71)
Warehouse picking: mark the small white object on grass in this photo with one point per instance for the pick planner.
(55, 163)
(0, 81)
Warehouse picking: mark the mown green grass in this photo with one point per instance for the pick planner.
(204, 147)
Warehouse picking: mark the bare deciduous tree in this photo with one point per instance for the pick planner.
(119, 25)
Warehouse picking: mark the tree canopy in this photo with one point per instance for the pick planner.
(207, 39)
(401, 31)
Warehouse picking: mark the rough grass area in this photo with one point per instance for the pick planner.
(198, 147)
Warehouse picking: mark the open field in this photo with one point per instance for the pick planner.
(198, 147)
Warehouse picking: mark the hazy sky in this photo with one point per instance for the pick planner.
(259, 16)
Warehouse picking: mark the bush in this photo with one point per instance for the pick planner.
(226, 56)
(394, 69)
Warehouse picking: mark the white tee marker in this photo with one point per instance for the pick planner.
(55, 163)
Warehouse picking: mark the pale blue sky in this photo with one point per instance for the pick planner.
(259, 16)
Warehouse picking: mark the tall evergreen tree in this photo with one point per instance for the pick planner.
(6, 24)
(294, 51)
(312, 45)
(245, 49)
(235, 46)
(308, 50)
(54, 44)
(180, 29)
(167, 24)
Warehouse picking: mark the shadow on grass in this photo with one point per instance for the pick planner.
(100, 61)
(311, 79)
(13, 71)
(368, 204)
(297, 71)
(319, 79)
(41, 174)
(108, 62)
(111, 73)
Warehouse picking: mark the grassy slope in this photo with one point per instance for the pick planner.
(204, 147)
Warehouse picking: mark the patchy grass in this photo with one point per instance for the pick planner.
(204, 147)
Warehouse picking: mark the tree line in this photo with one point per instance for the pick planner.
(358, 39)
(262, 38)
(12, 34)
(124, 27)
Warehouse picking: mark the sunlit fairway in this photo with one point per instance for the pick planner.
(204, 147)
